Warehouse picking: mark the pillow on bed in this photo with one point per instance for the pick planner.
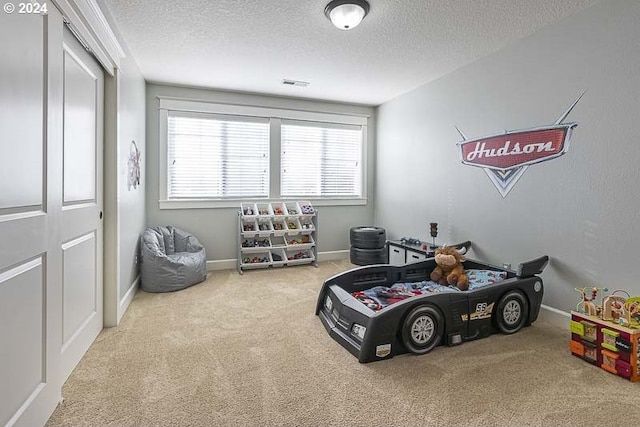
(479, 278)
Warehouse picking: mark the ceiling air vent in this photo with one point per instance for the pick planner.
(289, 82)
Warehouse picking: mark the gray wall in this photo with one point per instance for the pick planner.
(217, 228)
(131, 201)
(582, 208)
(128, 205)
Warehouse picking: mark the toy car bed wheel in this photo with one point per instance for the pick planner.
(512, 313)
(422, 329)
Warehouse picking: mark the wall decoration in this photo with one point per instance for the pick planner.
(505, 157)
(133, 177)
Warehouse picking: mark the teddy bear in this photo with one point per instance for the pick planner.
(449, 269)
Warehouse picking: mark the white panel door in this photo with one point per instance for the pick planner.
(30, 207)
(81, 230)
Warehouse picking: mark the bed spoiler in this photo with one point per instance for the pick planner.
(533, 267)
(525, 269)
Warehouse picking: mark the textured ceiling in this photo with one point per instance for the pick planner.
(251, 45)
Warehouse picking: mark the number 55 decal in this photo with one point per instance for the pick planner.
(483, 310)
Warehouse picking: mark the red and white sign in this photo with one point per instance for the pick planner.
(517, 148)
(505, 157)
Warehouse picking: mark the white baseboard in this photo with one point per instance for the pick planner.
(230, 264)
(128, 297)
(554, 316)
(222, 264)
(333, 255)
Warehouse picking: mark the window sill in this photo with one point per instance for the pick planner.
(221, 204)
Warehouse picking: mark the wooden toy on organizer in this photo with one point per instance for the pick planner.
(631, 313)
(587, 303)
(623, 310)
(613, 306)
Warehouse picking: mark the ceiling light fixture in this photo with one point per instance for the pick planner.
(346, 14)
(289, 82)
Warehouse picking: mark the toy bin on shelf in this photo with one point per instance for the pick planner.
(297, 256)
(611, 346)
(279, 226)
(256, 260)
(249, 227)
(256, 244)
(264, 209)
(292, 208)
(300, 241)
(278, 257)
(293, 225)
(278, 241)
(306, 208)
(279, 209)
(264, 227)
(249, 210)
(306, 225)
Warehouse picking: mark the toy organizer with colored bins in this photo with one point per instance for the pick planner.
(608, 345)
(276, 234)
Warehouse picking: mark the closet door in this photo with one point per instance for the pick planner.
(51, 121)
(30, 208)
(81, 222)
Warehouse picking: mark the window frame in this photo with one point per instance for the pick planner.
(325, 125)
(275, 116)
(263, 121)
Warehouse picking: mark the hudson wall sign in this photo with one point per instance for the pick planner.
(505, 157)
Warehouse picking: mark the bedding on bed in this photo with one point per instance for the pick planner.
(380, 297)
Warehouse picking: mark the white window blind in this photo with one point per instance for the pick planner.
(321, 160)
(217, 157)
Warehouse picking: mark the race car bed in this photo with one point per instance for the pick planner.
(380, 311)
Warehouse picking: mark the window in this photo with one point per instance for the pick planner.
(210, 157)
(321, 160)
(215, 155)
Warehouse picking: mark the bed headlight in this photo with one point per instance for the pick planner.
(358, 330)
(328, 303)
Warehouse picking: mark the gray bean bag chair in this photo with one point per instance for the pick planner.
(172, 259)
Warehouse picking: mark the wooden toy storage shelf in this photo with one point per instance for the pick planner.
(605, 344)
(277, 234)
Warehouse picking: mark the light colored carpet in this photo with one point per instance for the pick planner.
(247, 350)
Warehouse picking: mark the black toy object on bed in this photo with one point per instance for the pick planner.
(421, 323)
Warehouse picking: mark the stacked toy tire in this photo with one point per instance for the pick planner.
(368, 245)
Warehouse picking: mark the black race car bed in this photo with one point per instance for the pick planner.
(422, 322)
